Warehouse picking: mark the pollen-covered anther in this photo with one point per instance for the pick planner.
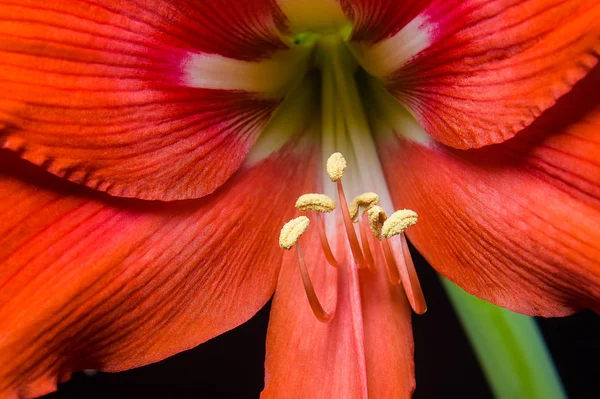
(377, 218)
(315, 203)
(398, 222)
(292, 230)
(336, 165)
(365, 200)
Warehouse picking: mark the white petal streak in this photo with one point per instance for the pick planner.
(297, 115)
(389, 118)
(271, 76)
(386, 56)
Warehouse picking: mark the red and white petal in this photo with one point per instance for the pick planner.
(475, 73)
(373, 21)
(514, 223)
(309, 359)
(155, 100)
(92, 281)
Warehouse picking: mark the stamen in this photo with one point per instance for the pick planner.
(365, 243)
(390, 262)
(354, 245)
(292, 230)
(336, 165)
(377, 217)
(325, 242)
(414, 292)
(315, 203)
(398, 222)
(366, 200)
(320, 313)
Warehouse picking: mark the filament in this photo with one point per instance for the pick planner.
(365, 243)
(325, 242)
(416, 297)
(318, 310)
(352, 239)
(392, 267)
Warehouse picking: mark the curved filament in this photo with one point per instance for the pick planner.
(390, 262)
(418, 299)
(352, 239)
(320, 313)
(365, 244)
(325, 242)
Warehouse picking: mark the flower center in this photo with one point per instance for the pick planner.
(373, 226)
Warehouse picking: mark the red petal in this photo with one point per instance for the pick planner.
(90, 281)
(488, 69)
(92, 92)
(310, 359)
(516, 223)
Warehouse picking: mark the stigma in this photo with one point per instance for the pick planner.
(368, 230)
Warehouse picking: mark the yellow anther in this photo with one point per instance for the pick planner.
(398, 222)
(315, 203)
(366, 200)
(292, 230)
(336, 165)
(377, 217)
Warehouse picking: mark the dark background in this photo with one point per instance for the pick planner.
(231, 365)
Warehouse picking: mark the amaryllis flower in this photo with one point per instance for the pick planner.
(154, 149)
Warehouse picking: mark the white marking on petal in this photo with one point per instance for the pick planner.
(386, 56)
(390, 118)
(294, 116)
(271, 76)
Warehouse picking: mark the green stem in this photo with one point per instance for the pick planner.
(509, 347)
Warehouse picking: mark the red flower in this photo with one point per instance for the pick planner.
(181, 134)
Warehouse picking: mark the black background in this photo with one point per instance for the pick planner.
(231, 365)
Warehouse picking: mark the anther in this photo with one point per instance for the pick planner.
(336, 165)
(377, 217)
(292, 230)
(319, 203)
(398, 222)
(366, 200)
(315, 203)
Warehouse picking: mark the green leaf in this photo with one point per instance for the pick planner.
(509, 346)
